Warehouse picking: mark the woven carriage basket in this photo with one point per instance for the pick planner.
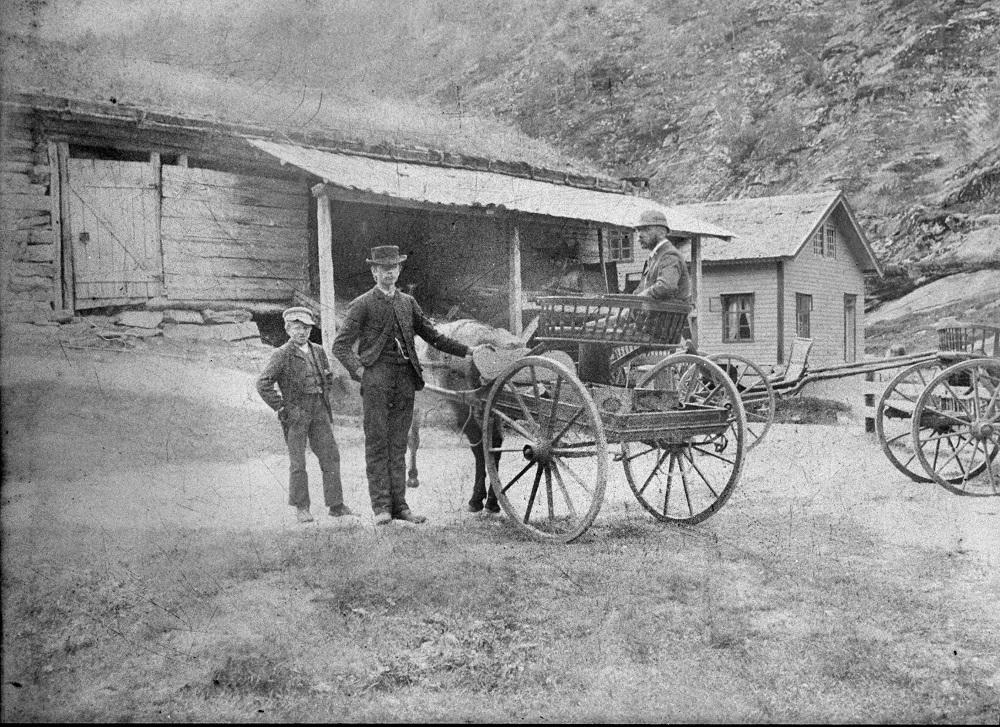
(611, 319)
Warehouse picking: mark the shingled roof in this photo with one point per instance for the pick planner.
(777, 227)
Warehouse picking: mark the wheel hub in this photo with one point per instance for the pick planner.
(983, 430)
(540, 452)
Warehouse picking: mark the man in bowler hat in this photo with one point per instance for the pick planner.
(382, 322)
(301, 371)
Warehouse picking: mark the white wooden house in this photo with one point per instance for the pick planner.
(795, 267)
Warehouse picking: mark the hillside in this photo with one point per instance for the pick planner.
(897, 103)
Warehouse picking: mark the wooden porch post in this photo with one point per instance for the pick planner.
(514, 279)
(324, 247)
(696, 284)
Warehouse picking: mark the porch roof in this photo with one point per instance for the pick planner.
(470, 188)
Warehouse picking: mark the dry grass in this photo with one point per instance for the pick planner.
(637, 623)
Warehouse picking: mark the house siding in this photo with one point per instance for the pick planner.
(827, 280)
(726, 279)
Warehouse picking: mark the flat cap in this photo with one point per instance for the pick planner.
(299, 313)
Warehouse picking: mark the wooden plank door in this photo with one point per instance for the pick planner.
(114, 223)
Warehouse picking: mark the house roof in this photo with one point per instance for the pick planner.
(777, 227)
(473, 188)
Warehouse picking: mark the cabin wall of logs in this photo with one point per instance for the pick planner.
(29, 243)
(94, 217)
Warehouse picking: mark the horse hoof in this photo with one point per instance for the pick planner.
(413, 483)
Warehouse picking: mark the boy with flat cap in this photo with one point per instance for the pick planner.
(301, 371)
(383, 322)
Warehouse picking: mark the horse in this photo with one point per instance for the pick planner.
(450, 372)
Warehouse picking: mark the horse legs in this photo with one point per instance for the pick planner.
(480, 491)
(413, 444)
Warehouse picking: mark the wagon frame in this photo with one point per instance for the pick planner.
(678, 431)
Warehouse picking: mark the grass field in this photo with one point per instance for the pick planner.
(638, 622)
(152, 572)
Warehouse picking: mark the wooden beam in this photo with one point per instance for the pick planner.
(324, 248)
(696, 286)
(604, 264)
(781, 311)
(156, 167)
(55, 192)
(514, 279)
(61, 179)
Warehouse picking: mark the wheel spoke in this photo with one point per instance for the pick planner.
(640, 454)
(952, 433)
(555, 406)
(565, 493)
(534, 491)
(653, 472)
(670, 481)
(684, 483)
(952, 457)
(575, 476)
(517, 477)
(945, 415)
(712, 454)
(701, 474)
(520, 402)
(548, 493)
(568, 424)
(515, 425)
(956, 398)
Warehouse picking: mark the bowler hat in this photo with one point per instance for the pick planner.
(653, 218)
(298, 313)
(385, 255)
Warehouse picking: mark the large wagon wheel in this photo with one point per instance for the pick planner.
(686, 478)
(553, 470)
(755, 392)
(894, 416)
(956, 427)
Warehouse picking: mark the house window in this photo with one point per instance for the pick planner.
(619, 245)
(826, 240)
(803, 309)
(830, 243)
(737, 317)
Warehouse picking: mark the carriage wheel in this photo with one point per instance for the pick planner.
(553, 466)
(894, 417)
(956, 427)
(686, 479)
(755, 392)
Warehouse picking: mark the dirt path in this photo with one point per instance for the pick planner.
(140, 440)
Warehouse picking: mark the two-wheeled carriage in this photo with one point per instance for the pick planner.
(938, 420)
(679, 431)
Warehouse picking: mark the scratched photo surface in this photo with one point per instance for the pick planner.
(724, 443)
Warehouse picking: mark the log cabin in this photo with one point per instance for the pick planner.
(106, 205)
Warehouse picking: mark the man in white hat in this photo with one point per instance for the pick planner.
(383, 322)
(301, 371)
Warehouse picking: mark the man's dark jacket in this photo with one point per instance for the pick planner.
(289, 369)
(371, 321)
